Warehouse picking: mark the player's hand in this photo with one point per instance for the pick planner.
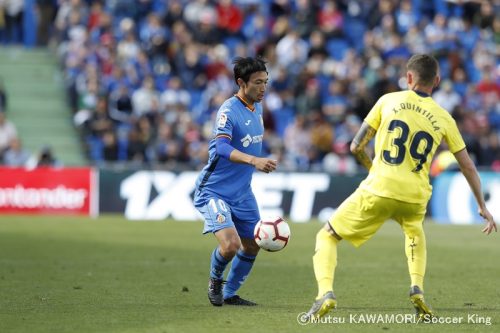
(490, 224)
(265, 164)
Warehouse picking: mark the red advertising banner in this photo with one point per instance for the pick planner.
(48, 191)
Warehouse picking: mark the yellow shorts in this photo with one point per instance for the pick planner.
(362, 214)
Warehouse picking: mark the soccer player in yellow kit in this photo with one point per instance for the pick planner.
(408, 127)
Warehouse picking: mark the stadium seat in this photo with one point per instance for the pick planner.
(354, 30)
(337, 48)
(283, 117)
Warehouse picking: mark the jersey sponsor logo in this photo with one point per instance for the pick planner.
(221, 122)
(247, 139)
(257, 138)
(248, 122)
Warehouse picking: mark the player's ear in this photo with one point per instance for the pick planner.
(240, 82)
(409, 78)
(437, 79)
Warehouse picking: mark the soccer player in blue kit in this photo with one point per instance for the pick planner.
(223, 192)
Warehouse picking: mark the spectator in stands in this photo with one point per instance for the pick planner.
(3, 97)
(174, 94)
(331, 19)
(46, 10)
(291, 50)
(297, 141)
(16, 155)
(110, 150)
(446, 96)
(44, 158)
(321, 134)
(198, 10)
(3, 37)
(144, 98)
(100, 121)
(339, 160)
(305, 17)
(332, 57)
(406, 17)
(229, 17)
(308, 99)
(13, 14)
(8, 132)
(120, 106)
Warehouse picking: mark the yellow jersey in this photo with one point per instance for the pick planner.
(409, 127)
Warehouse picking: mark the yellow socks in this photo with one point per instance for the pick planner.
(325, 260)
(416, 254)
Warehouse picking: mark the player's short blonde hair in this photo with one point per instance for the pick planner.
(425, 67)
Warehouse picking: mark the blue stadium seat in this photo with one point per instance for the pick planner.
(472, 72)
(354, 30)
(231, 43)
(283, 118)
(444, 67)
(337, 48)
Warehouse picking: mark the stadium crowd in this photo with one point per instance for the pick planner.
(145, 78)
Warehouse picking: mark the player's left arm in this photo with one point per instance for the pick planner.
(358, 145)
(471, 175)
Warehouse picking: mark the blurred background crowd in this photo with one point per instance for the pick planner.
(145, 78)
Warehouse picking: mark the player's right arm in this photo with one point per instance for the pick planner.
(223, 146)
(470, 172)
(260, 163)
(358, 145)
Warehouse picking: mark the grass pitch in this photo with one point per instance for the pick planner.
(67, 274)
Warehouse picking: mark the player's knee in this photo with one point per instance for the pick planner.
(331, 231)
(229, 248)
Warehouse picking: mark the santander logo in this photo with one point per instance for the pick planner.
(52, 198)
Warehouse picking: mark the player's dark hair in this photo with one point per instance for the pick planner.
(244, 67)
(425, 66)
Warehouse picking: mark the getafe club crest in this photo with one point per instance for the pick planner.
(221, 218)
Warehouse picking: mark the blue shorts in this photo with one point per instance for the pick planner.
(220, 214)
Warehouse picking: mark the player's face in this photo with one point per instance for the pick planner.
(255, 88)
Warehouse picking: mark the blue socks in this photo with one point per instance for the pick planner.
(217, 264)
(240, 269)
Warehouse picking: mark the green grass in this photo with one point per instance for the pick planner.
(67, 274)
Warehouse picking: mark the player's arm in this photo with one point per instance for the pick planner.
(358, 144)
(469, 170)
(224, 149)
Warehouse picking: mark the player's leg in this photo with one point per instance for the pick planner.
(245, 216)
(324, 263)
(229, 243)
(411, 217)
(218, 220)
(356, 220)
(240, 269)
(325, 259)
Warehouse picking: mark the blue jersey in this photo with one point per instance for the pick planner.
(221, 177)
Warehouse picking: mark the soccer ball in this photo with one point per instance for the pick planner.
(272, 234)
